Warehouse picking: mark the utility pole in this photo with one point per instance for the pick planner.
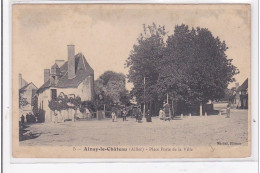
(104, 111)
(167, 98)
(144, 100)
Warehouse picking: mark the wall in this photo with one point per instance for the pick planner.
(27, 94)
(85, 91)
(43, 104)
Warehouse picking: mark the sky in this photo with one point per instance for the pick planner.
(105, 34)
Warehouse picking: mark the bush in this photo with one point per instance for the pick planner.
(87, 104)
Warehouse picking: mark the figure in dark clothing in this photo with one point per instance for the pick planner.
(139, 114)
(167, 112)
(27, 118)
(22, 119)
(124, 115)
(148, 116)
(135, 113)
(172, 114)
(228, 111)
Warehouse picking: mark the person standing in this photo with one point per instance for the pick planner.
(228, 111)
(172, 114)
(135, 113)
(113, 116)
(148, 116)
(22, 119)
(124, 115)
(139, 114)
(27, 118)
(167, 112)
(161, 114)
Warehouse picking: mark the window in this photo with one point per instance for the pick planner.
(53, 93)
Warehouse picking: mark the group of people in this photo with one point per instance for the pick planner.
(134, 112)
(114, 115)
(29, 118)
(166, 113)
(138, 114)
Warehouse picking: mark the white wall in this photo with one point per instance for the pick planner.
(85, 91)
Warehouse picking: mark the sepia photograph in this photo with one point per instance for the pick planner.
(131, 81)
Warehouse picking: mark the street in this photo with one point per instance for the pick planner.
(194, 131)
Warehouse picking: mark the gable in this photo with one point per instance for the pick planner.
(28, 87)
(82, 71)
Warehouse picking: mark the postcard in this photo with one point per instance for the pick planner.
(131, 81)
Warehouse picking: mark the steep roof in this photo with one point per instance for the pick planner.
(24, 87)
(244, 86)
(82, 70)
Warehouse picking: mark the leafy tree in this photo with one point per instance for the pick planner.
(34, 104)
(22, 101)
(174, 67)
(89, 105)
(125, 97)
(110, 90)
(192, 67)
(143, 63)
(195, 68)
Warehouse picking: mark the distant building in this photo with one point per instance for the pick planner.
(26, 93)
(243, 94)
(74, 78)
(239, 96)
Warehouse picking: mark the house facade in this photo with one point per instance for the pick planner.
(73, 78)
(239, 96)
(26, 93)
(243, 93)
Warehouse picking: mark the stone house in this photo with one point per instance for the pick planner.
(243, 93)
(73, 78)
(26, 93)
(239, 96)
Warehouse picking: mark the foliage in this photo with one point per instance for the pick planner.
(34, 104)
(125, 98)
(191, 67)
(195, 67)
(143, 62)
(62, 102)
(110, 90)
(89, 105)
(22, 101)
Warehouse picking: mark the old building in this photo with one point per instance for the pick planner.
(243, 93)
(73, 78)
(26, 93)
(239, 96)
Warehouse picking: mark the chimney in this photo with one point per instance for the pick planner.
(237, 85)
(71, 62)
(20, 80)
(46, 75)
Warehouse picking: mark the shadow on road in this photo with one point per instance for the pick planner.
(25, 134)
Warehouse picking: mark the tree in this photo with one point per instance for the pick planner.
(174, 67)
(22, 101)
(110, 90)
(34, 104)
(191, 67)
(143, 63)
(195, 68)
